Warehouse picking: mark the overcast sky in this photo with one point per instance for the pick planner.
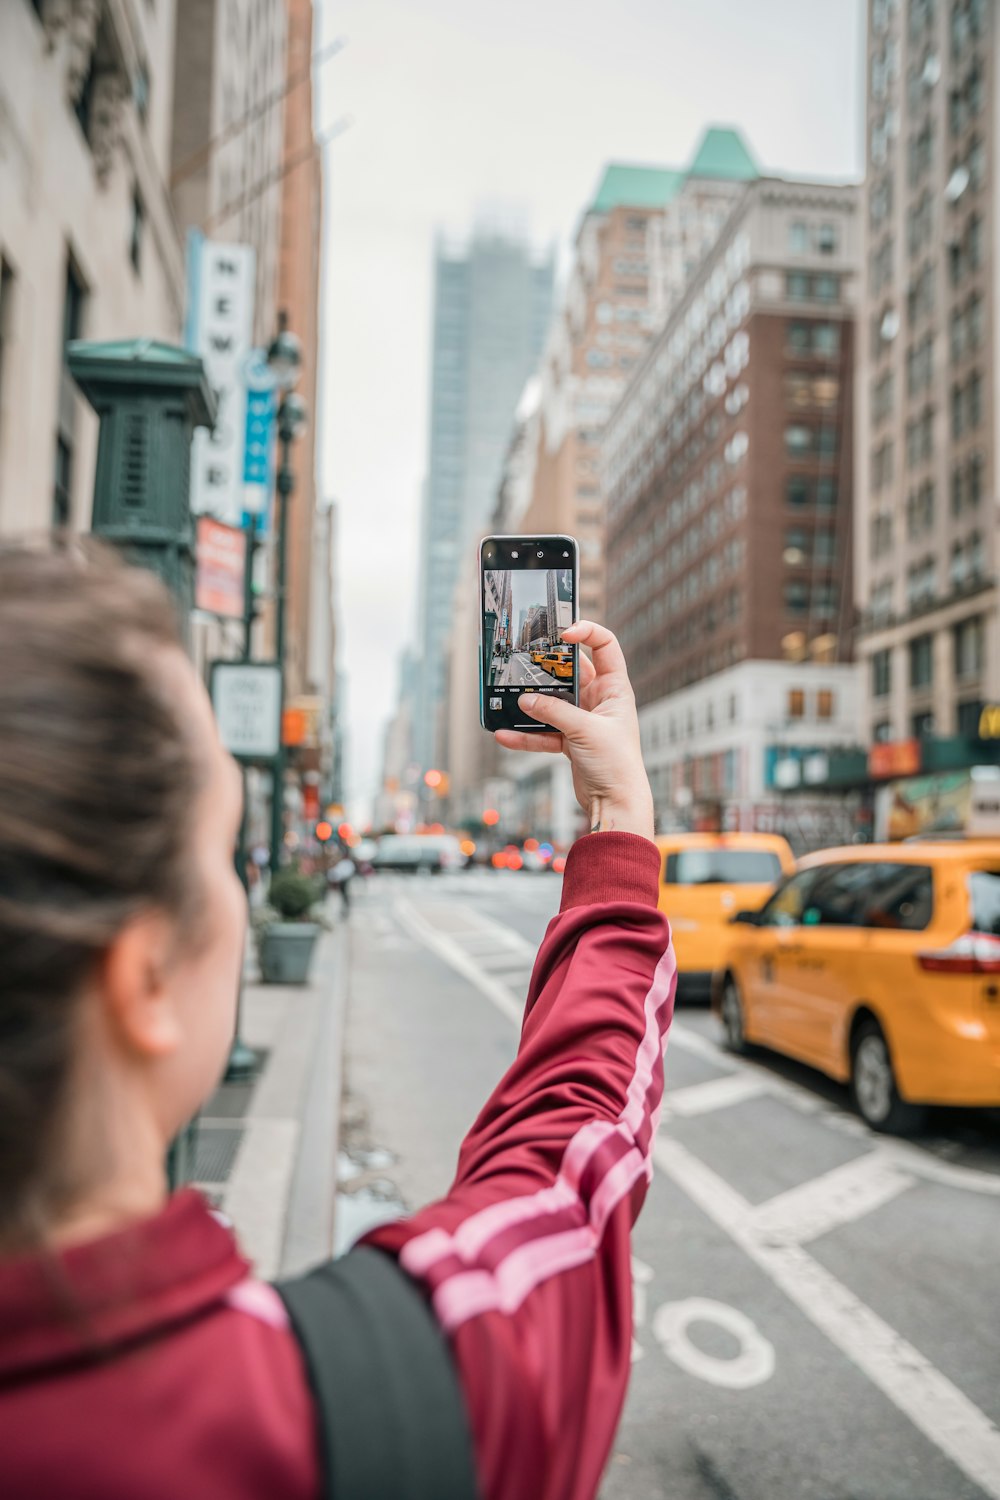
(465, 106)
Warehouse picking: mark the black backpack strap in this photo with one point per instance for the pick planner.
(391, 1415)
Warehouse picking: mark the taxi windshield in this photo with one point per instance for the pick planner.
(722, 867)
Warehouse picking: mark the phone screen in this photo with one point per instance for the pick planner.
(528, 589)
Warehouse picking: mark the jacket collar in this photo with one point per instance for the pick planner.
(81, 1303)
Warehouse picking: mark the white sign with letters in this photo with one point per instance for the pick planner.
(246, 696)
(220, 329)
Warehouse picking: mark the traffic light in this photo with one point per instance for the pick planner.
(432, 778)
(324, 831)
(491, 817)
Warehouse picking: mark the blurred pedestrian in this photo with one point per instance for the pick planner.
(479, 1347)
(339, 877)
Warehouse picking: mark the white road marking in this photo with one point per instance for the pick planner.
(935, 1406)
(751, 1366)
(642, 1275)
(447, 949)
(838, 1197)
(716, 1093)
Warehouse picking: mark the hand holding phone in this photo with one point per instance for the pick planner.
(600, 737)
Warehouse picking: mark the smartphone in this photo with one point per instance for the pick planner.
(528, 587)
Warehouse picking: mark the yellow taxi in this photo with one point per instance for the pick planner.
(704, 879)
(538, 653)
(558, 663)
(880, 966)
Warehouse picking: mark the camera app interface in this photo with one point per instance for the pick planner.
(525, 610)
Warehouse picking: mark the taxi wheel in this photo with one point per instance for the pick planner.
(731, 1010)
(873, 1085)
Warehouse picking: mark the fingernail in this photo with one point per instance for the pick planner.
(527, 700)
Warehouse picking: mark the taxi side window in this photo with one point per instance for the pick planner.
(839, 898)
(786, 906)
(901, 898)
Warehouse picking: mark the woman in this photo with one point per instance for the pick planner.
(138, 1356)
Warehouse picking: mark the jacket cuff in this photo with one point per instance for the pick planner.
(611, 867)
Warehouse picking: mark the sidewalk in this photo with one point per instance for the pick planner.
(267, 1150)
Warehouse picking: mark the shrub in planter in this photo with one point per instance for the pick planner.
(286, 928)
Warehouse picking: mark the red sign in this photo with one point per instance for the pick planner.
(221, 553)
(894, 758)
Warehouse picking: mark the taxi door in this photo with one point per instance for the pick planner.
(825, 964)
(771, 958)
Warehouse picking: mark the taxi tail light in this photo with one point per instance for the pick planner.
(972, 953)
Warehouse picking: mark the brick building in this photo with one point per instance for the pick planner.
(728, 471)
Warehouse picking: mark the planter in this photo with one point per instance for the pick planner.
(285, 951)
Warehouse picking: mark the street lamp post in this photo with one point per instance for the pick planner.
(291, 419)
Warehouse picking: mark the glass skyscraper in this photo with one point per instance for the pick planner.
(492, 302)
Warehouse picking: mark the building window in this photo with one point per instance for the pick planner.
(74, 302)
(922, 725)
(826, 493)
(881, 674)
(796, 703)
(798, 238)
(969, 648)
(824, 599)
(824, 704)
(137, 232)
(798, 286)
(826, 239)
(797, 491)
(63, 487)
(921, 661)
(825, 547)
(882, 732)
(796, 598)
(798, 439)
(969, 715)
(826, 287)
(6, 325)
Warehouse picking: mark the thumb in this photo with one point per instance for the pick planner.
(557, 712)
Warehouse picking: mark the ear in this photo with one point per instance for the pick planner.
(138, 1002)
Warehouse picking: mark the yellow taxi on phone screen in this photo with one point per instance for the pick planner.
(880, 966)
(704, 879)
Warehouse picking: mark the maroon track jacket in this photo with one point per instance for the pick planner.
(151, 1363)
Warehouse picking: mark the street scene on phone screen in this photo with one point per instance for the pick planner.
(525, 611)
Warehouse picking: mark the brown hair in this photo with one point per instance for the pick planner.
(97, 779)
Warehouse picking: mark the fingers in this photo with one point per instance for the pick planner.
(609, 659)
(558, 712)
(519, 739)
(587, 670)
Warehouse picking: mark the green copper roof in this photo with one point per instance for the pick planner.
(723, 153)
(636, 187)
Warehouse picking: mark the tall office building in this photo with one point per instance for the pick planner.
(492, 300)
(927, 411)
(727, 467)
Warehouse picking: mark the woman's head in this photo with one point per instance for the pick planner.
(121, 916)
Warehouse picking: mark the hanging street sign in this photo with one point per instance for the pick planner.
(246, 696)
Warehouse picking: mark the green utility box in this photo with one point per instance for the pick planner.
(150, 397)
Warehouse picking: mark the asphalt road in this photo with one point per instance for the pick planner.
(521, 671)
(817, 1308)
